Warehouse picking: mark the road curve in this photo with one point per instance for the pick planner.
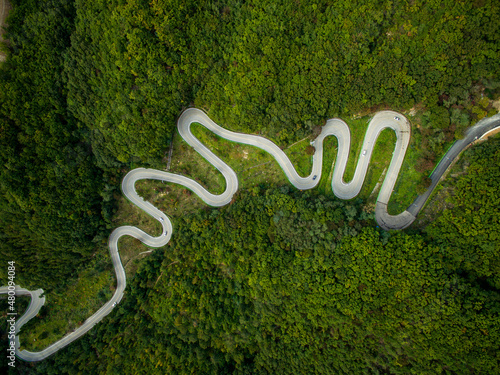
(34, 307)
(472, 135)
(342, 189)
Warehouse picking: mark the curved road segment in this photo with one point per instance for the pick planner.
(343, 190)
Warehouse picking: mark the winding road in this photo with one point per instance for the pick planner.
(343, 190)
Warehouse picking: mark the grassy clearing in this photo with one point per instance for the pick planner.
(253, 166)
(300, 159)
(187, 162)
(330, 147)
(357, 129)
(381, 158)
(129, 214)
(439, 199)
(379, 162)
(66, 310)
(405, 190)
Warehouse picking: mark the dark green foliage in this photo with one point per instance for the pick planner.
(21, 305)
(50, 189)
(424, 185)
(470, 231)
(276, 283)
(282, 283)
(132, 68)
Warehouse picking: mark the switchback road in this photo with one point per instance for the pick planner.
(343, 190)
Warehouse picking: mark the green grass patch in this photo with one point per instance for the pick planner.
(405, 190)
(357, 128)
(297, 154)
(66, 310)
(380, 158)
(187, 162)
(330, 149)
(252, 165)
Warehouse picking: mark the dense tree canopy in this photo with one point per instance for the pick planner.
(278, 67)
(277, 282)
(51, 192)
(470, 231)
(291, 284)
(90, 89)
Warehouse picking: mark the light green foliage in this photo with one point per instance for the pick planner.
(278, 68)
(275, 283)
(291, 284)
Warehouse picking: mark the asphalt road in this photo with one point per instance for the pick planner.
(472, 135)
(34, 307)
(334, 127)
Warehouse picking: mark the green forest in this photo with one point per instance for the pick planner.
(296, 283)
(280, 281)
